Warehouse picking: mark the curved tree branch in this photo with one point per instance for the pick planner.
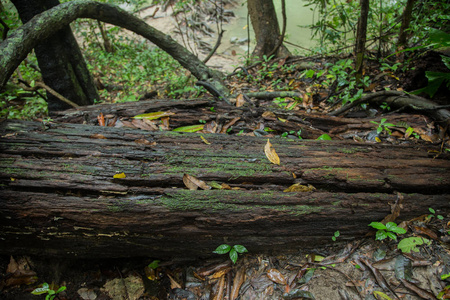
(16, 47)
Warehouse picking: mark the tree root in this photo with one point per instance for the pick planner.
(397, 99)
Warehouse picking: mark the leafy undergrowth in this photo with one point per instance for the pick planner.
(365, 269)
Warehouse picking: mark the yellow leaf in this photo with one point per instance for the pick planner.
(154, 115)
(282, 120)
(121, 175)
(377, 139)
(299, 188)
(205, 141)
(271, 153)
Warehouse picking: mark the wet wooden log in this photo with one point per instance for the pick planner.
(59, 195)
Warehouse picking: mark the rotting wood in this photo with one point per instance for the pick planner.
(59, 196)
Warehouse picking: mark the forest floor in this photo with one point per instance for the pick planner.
(362, 269)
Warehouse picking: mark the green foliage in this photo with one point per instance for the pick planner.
(433, 214)
(324, 137)
(410, 244)
(335, 236)
(389, 230)
(383, 126)
(21, 104)
(342, 75)
(233, 251)
(46, 289)
(154, 264)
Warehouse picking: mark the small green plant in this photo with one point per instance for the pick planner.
(389, 230)
(46, 289)
(433, 214)
(233, 251)
(383, 126)
(335, 236)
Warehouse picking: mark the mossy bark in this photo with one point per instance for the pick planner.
(60, 197)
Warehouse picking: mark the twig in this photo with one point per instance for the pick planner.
(50, 90)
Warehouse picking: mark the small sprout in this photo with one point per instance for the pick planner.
(335, 236)
(233, 251)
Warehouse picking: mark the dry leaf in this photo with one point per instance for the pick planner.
(276, 276)
(98, 136)
(237, 282)
(297, 187)
(240, 101)
(173, 283)
(145, 142)
(271, 154)
(193, 183)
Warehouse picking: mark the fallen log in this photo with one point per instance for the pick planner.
(59, 195)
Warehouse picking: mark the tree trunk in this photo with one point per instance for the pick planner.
(15, 48)
(406, 19)
(62, 65)
(265, 25)
(60, 197)
(360, 46)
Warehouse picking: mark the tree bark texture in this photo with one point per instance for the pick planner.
(59, 195)
(15, 48)
(62, 65)
(406, 19)
(265, 25)
(361, 32)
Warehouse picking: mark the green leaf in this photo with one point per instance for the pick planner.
(233, 255)
(432, 210)
(240, 248)
(410, 244)
(42, 290)
(307, 277)
(391, 235)
(445, 276)
(377, 225)
(63, 288)
(380, 235)
(390, 226)
(154, 264)
(191, 128)
(324, 137)
(381, 295)
(222, 249)
(398, 230)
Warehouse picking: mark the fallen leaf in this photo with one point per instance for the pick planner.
(205, 141)
(193, 183)
(271, 154)
(154, 115)
(98, 136)
(145, 142)
(120, 175)
(237, 283)
(191, 128)
(276, 276)
(240, 101)
(101, 119)
(297, 187)
(173, 283)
